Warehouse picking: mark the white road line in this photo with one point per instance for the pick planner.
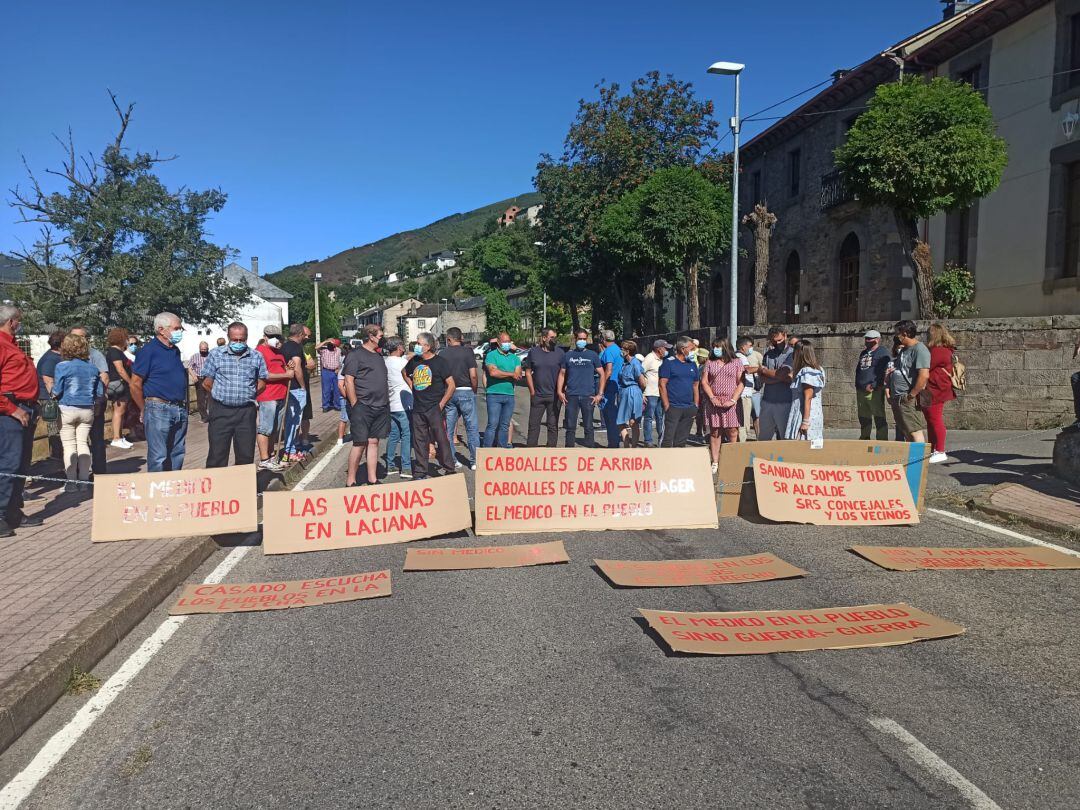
(1007, 532)
(931, 762)
(18, 789)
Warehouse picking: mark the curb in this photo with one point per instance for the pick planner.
(28, 695)
(981, 503)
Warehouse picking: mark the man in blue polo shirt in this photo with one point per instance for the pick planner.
(578, 387)
(159, 389)
(679, 393)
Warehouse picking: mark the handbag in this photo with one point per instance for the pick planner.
(116, 389)
(50, 409)
(958, 376)
(924, 399)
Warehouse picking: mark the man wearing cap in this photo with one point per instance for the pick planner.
(271, 400)
(330, 363)
(870, 387)
(234, 375)
(611, 361)
(654, 407)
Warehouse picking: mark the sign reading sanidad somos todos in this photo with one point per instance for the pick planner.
(540, 489)
(319, 520)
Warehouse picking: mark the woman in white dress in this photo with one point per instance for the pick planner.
(805, 420)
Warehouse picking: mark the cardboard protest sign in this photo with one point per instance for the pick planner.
(735, 491)
(452, 559)
(753, 632)
(544, 489)
(724, 571)
(897, 558)
(238, 597)
(833, 496)
(326, 519)
(183, 503)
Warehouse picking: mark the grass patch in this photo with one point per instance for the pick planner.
(79, 682)
(137, 762)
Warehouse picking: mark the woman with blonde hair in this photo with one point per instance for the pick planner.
(119, 388)
(76, 385)
(722, 387)
(941, 344)
(805, 420)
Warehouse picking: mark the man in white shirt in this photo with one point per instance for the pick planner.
(400, 406)
(654, 408)
(748, 406)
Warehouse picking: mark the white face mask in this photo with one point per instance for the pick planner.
(273, 342)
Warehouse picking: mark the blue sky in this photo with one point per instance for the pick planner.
(331, 124)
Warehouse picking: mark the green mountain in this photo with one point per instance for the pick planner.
(379, 258)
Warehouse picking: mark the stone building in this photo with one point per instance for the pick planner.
(833, 260)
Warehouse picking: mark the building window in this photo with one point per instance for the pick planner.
(794, 171)
(971, 76)
(1066, 81)
(1073, 64)
(849, 279)
(792, 287)
(420, 323)
(1072, 222)
(963, 225)
(756, 185)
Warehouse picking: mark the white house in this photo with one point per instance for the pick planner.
(269, 305)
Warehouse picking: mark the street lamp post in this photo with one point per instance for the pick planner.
(733, 69)
(318, 326)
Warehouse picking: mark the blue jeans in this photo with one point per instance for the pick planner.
(500, 407)
(331, 397)
(166, 435)
(574, 404)
(609, 413)
(400, 433)
(294, 415)
(463, 404)
(654, 414)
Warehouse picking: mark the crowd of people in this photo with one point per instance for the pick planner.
(257, 402)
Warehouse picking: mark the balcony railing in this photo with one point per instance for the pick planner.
(834, 191)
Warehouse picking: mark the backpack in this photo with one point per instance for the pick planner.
(958, 375)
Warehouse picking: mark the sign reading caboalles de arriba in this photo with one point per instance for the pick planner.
(832, 495)
(183, 503)
(538, 489)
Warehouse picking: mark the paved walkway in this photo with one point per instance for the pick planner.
(52, 577)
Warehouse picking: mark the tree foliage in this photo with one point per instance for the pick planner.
(330, 314)
(116, 246)
(921, 148)
(954, 289)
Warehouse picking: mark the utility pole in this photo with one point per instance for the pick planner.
(318, 326)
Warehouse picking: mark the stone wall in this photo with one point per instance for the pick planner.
(1018, 369)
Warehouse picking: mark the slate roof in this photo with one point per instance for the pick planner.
(259, 285)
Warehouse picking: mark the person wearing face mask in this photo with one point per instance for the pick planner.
(542, 365)
(431, 381)
(578, 387)
(679, 392)
(235, 376)
(870, 371)
(159, 389)
(776, 394)
(271, 400)
(503, 368)
(631, 381)
(722, 387)
(195, 365)
(18, 419)
(653, 416)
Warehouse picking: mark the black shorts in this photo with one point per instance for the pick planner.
(366, 423)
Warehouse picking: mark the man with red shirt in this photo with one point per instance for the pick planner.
(18, 418)
(271, 400)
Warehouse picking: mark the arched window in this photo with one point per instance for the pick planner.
(849, 279)
(792, 288)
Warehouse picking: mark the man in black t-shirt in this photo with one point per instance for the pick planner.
(462, 404)
(298, 409)
(432, 384)
(368, 393)
(542, 366)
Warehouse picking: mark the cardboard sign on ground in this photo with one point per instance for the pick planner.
(833, 496)
(184, 503)
(897, 558)
(768, 631)
(735, 490)
(453, 559)
(541, 489)
(238, 597)
(364, 516)
(723, 571)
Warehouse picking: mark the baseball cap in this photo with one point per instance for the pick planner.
(661, 344)
(272, 331)
(336, 342)
(872, 334)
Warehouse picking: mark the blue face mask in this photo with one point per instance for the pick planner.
(236, 347)
(418, 350)
(717, 352)
(176, 336)
(504, 346)
(580, 344)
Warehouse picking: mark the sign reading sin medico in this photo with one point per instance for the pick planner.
(174, 504)
(542, 489)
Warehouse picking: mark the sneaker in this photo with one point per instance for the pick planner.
(390, 470)
(123, 444)
(715, 467)
(406, 474)
(36, 520)
(457, 464)
(473, 466)
(271, 465)
(5, 529)
(937, 458)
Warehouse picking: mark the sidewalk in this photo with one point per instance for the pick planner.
(65, 601)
